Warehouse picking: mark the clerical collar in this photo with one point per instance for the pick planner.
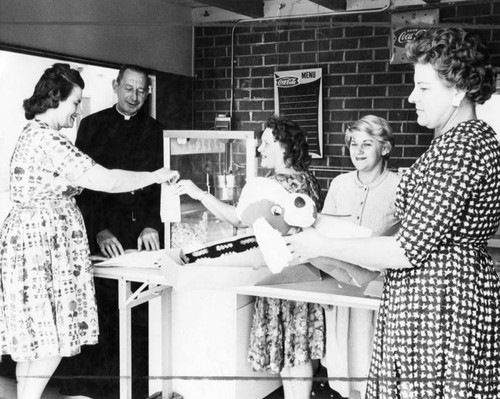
(126, 117)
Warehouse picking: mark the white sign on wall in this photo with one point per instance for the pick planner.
(405, 26)
(298, 96)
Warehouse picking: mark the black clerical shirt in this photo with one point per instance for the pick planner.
(118, 142)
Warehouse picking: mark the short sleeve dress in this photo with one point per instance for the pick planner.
(438, 332)
(47, 299)
(350, 330)
(287, 333)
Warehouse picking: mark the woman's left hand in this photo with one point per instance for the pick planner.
(305, 245)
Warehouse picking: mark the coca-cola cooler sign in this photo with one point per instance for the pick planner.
(298, 97)
(405, 27)
(399, 39)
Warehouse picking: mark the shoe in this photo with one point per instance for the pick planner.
(321, 389)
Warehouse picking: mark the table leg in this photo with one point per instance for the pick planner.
(125, 311)
(166, 321)
(160, 344)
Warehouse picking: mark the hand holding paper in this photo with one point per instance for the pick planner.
(328, 226)
(165, 175)
(344, 272)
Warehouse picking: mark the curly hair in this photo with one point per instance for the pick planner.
(55, 85)
(374, 126)
(460, 58)
(293, 140)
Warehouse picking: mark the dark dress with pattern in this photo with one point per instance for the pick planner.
(438, 332)
(47, 300)
(288, 333)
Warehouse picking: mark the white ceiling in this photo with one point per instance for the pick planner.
(210, 11)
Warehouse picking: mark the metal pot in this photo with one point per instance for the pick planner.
(228, 186)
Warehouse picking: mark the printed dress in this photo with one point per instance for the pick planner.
(287, 333)
(47, 301)
(438, 332)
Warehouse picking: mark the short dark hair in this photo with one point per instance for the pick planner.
(460, 58)
(293, 140)
(55, 85)
(135, 68)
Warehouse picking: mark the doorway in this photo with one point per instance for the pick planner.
(19, 73)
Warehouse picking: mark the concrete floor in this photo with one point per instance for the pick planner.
(8, 391)
(321, 389)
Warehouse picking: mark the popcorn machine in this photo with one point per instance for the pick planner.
(218, 161)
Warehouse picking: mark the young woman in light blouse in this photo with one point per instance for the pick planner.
(367, 196)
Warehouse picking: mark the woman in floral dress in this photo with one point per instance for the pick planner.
(286, 335)
(47, 304)
(438, 331)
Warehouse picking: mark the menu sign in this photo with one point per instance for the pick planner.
(298, 97)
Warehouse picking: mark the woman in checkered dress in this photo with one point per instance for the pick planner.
(438, 331)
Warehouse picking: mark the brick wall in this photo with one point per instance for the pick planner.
(353, 53)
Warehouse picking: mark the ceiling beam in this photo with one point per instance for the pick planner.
(331, 4)
(249, 8)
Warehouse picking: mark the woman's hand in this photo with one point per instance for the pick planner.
(305, 245)
(165, 175)
(189, 188)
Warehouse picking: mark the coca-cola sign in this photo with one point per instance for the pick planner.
(405, 35)
(406, 26)
(287, 81)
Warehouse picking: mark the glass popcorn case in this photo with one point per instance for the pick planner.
(217, 161)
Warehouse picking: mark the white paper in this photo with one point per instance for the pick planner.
(141, 259)
(273, 246)
(374, 288)
(330, 226)
(170, 208)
